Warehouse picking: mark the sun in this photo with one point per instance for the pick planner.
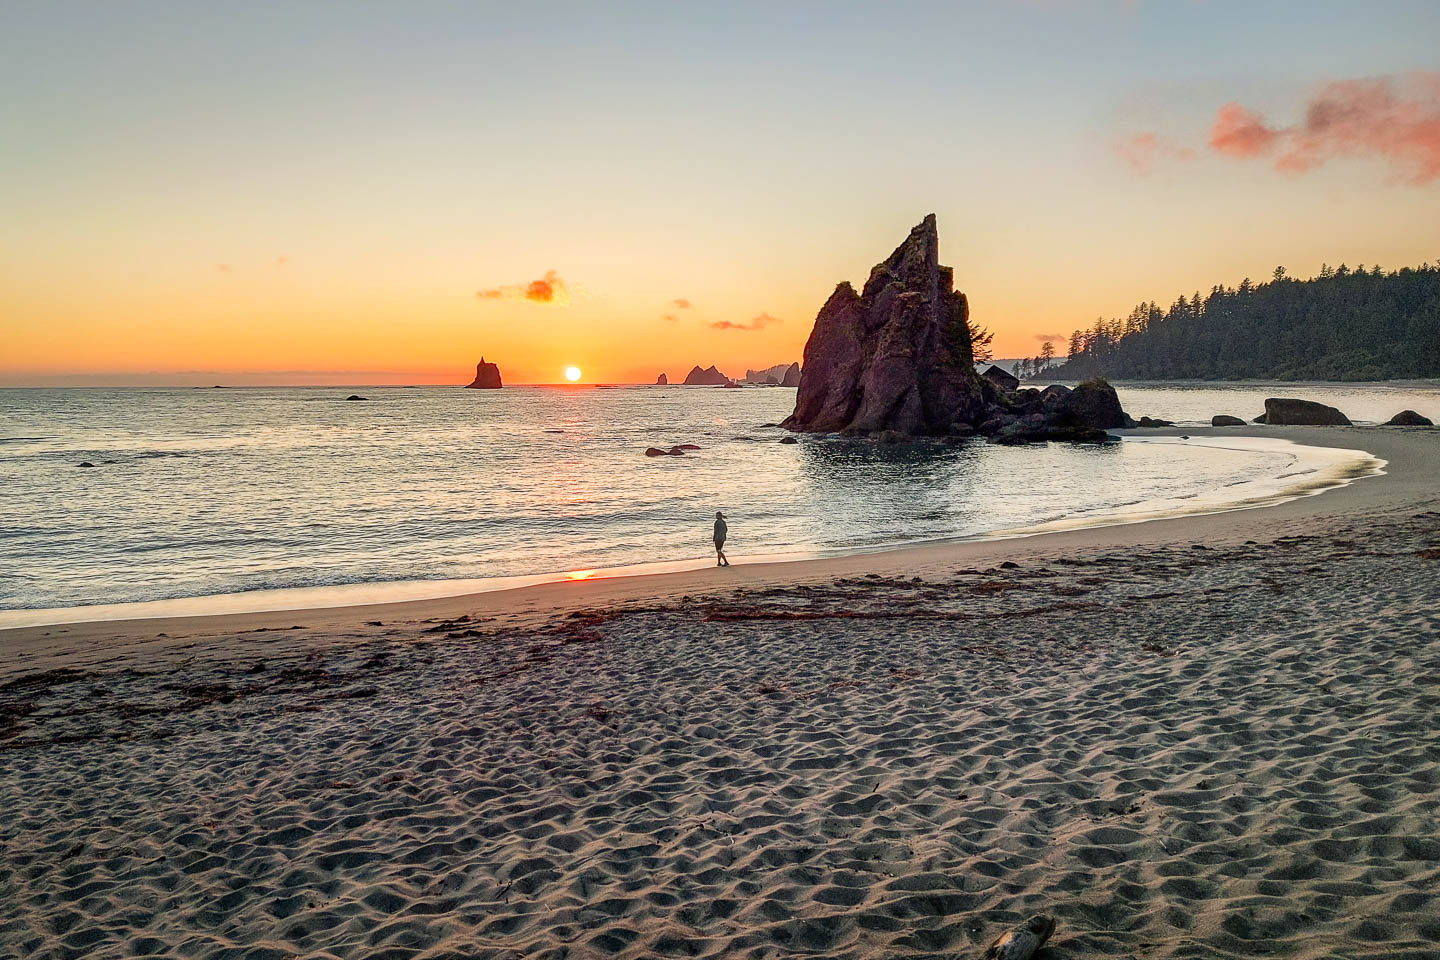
(572, 374)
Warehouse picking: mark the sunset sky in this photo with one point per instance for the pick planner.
(382, 192)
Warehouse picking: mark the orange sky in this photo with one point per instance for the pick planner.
(199, 198)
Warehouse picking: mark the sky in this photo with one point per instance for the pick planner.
(361, 193)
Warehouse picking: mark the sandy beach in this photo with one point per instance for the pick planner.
(1209, 736)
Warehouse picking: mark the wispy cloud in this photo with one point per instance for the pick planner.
(1143, 152)
(759, 323)
(1396, 119)
(548, 289)
(1042, 337)
(680, 303)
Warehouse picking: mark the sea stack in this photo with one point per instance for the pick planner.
(487, 377)
(896, 356)
(792, 376)
(709, 377)
(662, 381)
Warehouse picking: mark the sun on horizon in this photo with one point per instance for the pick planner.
(572, 374)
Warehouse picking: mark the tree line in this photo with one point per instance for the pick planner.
(1341, 325)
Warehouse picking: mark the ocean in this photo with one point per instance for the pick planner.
(207, 492)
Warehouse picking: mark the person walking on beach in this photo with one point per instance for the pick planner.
(720, 530)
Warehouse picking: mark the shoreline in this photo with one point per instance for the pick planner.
(1326, 469)
(1411, 458)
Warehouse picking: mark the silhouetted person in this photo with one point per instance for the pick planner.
(720, 530)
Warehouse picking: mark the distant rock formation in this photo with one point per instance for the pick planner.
(1225, 420)
(895, 356)
(1409, 418)
(1291, 412)
(709, 377)
(792, 376)
(774, 376)
(487, 377)
(662, 381)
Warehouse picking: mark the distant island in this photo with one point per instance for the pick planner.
(487, 377)
(1341, 325)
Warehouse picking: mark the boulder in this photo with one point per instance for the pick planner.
(728, 384)
(356, 396)
(1150, 422)
(788, 440)
(709, 377)
(894, 356)
(662, 381)
(1092, 404)
(1291, 412)
(85, 463)
(1225, 420)
(1004, 380)
(487, 377)
(657, 452)
(687, 446)
(792, 376)
(1051, 396)
(1409, 418)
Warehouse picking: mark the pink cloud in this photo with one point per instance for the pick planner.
(759, 323)
(1240, 133)
(1397, 120)
(1144, 151)
(680, 303)
(548, 289)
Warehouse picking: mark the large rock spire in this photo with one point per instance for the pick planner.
(895, 356)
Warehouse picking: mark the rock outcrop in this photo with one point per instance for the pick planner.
(1225, 420)
(894, 361)
(1409, 418)
(792, 376)
(1092, 405)
(894, 356)
(662, 381)
(709, 377)
(1002, 378)
(1291, 412)
(487, 377)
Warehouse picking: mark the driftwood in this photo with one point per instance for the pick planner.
(1022, 942)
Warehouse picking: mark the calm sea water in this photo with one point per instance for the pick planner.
(198, 492)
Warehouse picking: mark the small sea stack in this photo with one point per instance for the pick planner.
(662, 381)
(487, 377)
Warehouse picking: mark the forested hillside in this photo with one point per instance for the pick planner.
(1342, 325)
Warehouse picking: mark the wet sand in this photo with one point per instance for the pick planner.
(1209, 736)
